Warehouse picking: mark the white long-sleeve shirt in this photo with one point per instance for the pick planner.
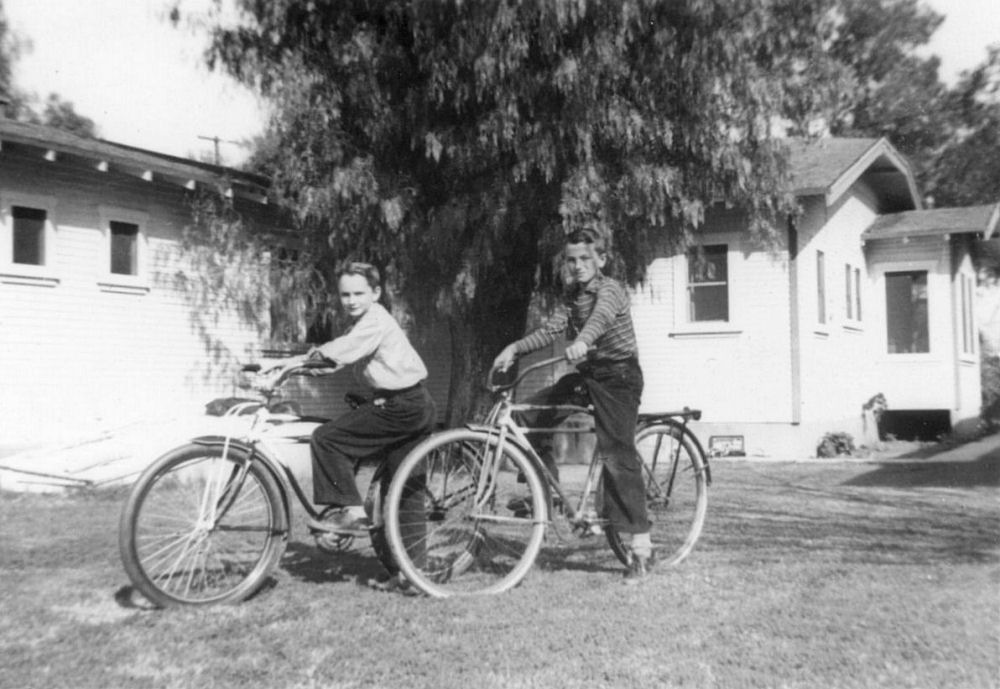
(382, 355)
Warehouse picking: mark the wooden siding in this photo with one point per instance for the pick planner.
(836, 355)
(734, 371)
(904, 377)
(84, 349)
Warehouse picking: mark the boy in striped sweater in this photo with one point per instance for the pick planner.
(596, 317)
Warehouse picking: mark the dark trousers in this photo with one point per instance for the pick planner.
(386, 431)
(614, 389)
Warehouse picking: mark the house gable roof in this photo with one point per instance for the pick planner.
(138, 162)
(982, 220)
(829, 167)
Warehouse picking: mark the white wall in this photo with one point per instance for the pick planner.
(732, 371)
(836, 355)
(925, 380)
(81, 351)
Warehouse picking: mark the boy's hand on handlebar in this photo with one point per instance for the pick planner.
(576, 351)
(505, 359)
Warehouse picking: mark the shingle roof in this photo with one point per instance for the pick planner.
(817, 165)
(829, 167)
(937, 221)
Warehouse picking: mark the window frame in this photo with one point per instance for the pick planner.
(853, 315)
(28, 273)
(138, 282)
(969, 336)
(822, 308)
(910, 268)
(689, 286)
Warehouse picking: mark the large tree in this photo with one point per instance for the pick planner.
(967, 169)
(898, 93)
(453, 142)
(18, 104)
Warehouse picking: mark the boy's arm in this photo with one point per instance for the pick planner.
(535, 340)
(611, 301)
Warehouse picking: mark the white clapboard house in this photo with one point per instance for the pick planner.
(867, 294)
(98, 322)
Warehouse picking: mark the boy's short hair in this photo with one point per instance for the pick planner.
(365, 270)
(586, 236)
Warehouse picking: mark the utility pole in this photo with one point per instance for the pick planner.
(216, 141)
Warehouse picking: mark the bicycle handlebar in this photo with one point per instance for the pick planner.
(317, 367)
(493, 387)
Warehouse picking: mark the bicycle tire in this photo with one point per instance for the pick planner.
(193, 532)
(450, 539)
(676, 500)
(375, 502)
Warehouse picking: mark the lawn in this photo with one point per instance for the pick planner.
(811, 574)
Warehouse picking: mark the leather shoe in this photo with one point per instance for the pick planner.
(639, 568)
(339, 521)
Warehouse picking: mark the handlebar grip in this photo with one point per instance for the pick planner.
(251, 368)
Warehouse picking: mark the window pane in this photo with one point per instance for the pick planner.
(29, 235)
(847, 291)
(906, 311)
(857, 292)
(820, 287)
(710, 303)
(708, 288)
(124, 240)
(711, 266)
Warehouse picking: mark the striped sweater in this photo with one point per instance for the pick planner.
(597, 314)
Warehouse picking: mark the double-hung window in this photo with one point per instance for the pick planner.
(708, 284)
(27, 239)
(123, 256)
(907, 325)
(820, 287)
(968, 322)
(852, 293)
(28, 235)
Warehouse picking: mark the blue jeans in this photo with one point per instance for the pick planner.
(614, 389)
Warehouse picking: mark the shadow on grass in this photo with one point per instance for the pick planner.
(866, 519)
(310, 564)
(983, 470)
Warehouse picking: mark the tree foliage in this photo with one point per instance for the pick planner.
(453, 142)
(18, 104)
(61, 114)
(967, 170)
(898, 93)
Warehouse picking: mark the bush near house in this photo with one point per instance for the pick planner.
(837, 444)
(990, 372)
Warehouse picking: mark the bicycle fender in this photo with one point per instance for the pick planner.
(269, 462)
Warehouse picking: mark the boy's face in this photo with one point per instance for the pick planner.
(583, 262)
(356, 295)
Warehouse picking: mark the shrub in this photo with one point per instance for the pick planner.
(835, 445)
(990, 372)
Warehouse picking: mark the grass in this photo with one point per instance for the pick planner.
(815, 574)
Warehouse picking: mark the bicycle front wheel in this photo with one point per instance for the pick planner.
(674, 471)
(459, 520)
(201, 527)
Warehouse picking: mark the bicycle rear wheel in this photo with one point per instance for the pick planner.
(676, 493)
(458, 520)
(200, 527)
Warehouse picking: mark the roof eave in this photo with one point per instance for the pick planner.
(880, 148)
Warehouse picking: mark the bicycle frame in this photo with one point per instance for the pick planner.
(500, 421)
(258, 443)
